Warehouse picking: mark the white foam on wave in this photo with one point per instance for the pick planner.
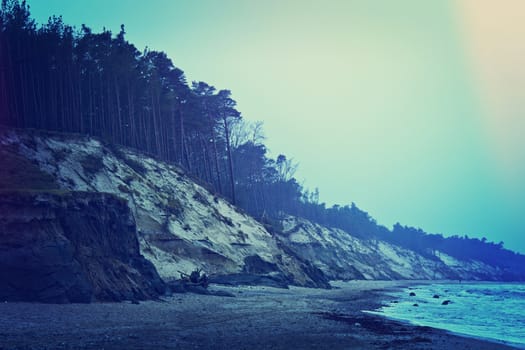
(483, 310)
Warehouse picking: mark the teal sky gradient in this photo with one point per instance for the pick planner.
(376, 99)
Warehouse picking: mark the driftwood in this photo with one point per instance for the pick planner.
(196, 282)
(195, 278)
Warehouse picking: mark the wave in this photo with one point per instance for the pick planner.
(483, 310)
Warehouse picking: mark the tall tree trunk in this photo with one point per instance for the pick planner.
(132, 121)
(230, 160)
(119, 115)
(182, 137)
(217, 168)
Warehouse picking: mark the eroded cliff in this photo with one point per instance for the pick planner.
(181, 226)
(342, 256)
(71, 247)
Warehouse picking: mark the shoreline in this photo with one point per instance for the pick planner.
(452, 333)
(386, 297)
(257, 318)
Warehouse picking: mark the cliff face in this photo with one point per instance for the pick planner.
(182, 227)
(342, 256)
(71, 247)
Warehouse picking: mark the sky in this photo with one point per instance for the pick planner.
(412, 109)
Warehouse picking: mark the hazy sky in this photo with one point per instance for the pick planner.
(412, 109)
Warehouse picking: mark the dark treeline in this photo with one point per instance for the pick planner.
(59, 78)
(56, 77)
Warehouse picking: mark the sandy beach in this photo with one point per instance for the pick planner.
(256, 318)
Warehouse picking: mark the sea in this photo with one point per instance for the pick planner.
(491, 311)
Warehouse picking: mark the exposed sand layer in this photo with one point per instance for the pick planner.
(257, 318)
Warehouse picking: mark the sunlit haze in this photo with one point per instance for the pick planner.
(411, 109)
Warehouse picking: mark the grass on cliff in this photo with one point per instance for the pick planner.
(19, 173)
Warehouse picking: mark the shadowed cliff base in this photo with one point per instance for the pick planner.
(71, 247)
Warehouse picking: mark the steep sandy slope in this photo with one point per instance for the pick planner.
(342, 256)
(181, 225)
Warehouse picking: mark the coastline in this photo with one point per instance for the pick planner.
(387, 297)
(257, 318)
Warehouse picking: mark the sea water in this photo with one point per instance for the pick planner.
(486, 310)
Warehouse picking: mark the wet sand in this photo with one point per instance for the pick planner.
(257, 318)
